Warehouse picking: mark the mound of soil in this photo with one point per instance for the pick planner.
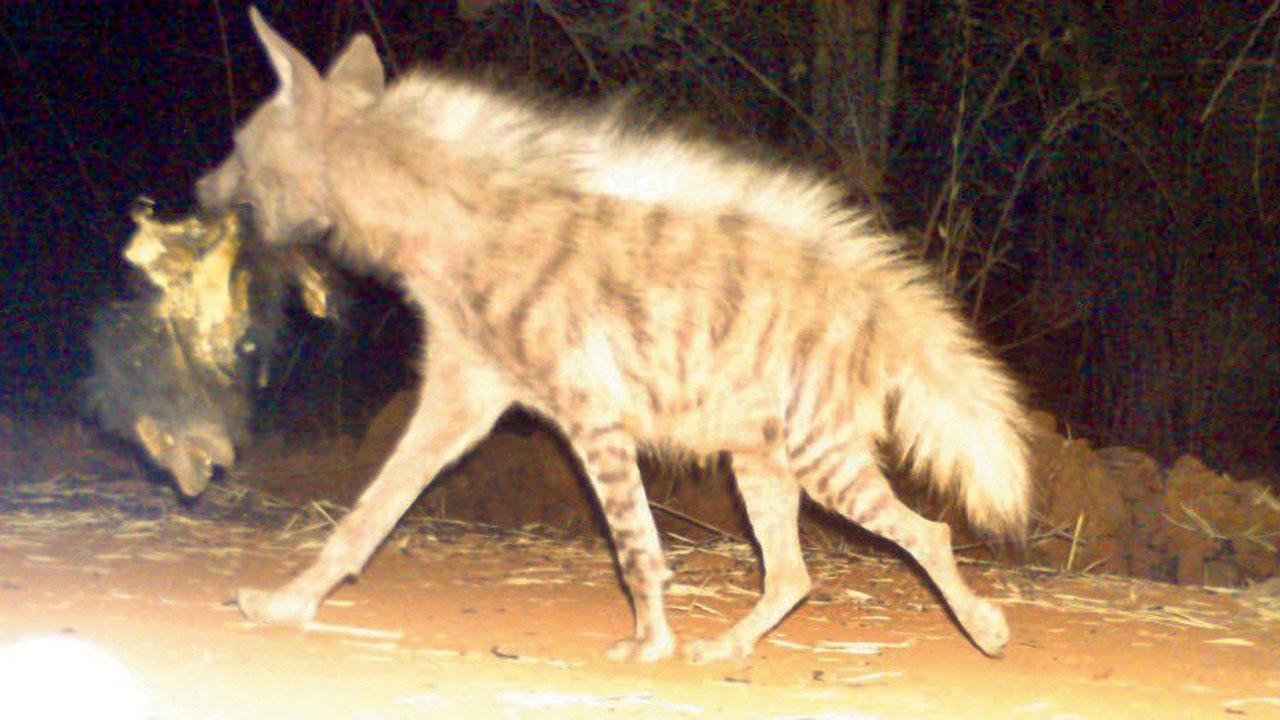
(1116, 510)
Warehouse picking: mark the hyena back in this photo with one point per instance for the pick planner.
(634, 288)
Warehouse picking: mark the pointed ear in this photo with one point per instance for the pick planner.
(358, 68)
(299, 80)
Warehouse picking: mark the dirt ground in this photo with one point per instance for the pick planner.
(126, 591)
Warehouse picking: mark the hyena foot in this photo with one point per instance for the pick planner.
(645, 650)
(276, 608)
(728, 646)
(985, 624)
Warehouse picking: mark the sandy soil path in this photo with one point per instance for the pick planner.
(452, 621)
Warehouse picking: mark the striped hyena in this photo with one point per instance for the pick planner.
(635, 288)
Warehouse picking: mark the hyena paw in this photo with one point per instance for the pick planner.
(725, 647)
(275, 608)
(987, 628)
(645, 650)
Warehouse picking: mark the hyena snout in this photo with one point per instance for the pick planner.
(277, 213)
(216, 190)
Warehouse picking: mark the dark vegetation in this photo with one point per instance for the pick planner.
(1097, 182)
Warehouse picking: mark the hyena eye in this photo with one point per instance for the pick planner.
(242, 208)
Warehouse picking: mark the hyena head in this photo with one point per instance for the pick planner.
(275, 171)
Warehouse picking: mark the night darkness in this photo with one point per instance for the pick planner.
(1138, 235)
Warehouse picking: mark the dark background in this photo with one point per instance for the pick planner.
(1098, 181)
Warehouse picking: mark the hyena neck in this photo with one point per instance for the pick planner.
(407, 202)
(392, 220)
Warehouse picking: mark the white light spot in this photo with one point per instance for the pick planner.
(61, 676)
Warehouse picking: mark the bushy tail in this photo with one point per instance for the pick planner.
(958, 415)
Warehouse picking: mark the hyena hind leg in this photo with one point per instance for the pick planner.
(863, 495)
(771, 497)
(608, 455)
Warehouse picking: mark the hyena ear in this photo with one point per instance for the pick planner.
(358, 68)
(300, 82)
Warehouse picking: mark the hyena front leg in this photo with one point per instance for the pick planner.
(772, 500)
(457, 408)
(608, 454)
(858, 490)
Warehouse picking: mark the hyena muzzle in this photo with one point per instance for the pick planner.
(634, 287)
